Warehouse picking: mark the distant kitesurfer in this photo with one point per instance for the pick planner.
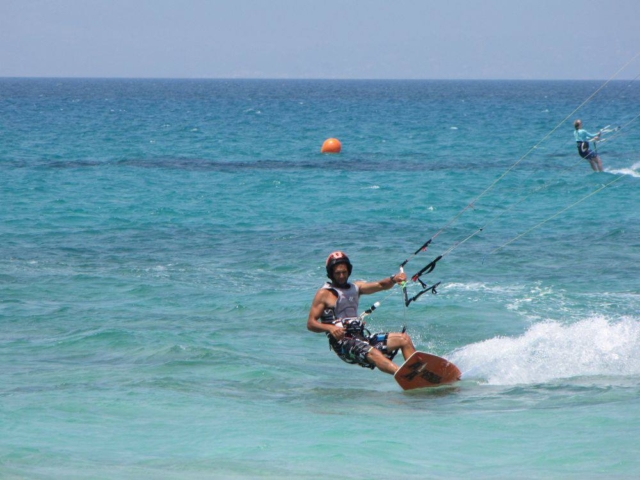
(334, 311)
(582, 139)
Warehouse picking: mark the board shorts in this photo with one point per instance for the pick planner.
(584, 151)
(355, 349)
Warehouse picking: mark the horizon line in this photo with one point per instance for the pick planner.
(363, 79)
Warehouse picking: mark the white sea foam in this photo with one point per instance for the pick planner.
(480, 287)
(633, 170)
(550, 351)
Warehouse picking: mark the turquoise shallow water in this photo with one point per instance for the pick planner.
(162, 241)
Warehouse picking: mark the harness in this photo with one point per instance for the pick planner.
(583, 148)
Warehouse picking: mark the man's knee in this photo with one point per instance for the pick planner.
(399, 340)
(405, 340)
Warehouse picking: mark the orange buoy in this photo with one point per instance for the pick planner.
(331, 145)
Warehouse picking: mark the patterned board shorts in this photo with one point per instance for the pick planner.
(355, 350)
(584, 151)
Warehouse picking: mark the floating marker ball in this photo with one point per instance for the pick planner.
(331, 145)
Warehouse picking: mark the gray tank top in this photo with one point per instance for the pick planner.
(346, 305)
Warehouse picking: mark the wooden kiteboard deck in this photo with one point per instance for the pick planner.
(425, 370)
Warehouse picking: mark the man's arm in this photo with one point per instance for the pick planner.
(315, 312)
(367, 288)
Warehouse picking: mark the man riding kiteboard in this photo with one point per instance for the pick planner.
(334, 311)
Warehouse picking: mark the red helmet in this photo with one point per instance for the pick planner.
(336, 258)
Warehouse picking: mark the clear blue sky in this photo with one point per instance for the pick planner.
(412, 39)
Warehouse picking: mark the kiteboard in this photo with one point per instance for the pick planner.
(425, 370)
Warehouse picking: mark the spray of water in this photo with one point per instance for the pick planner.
(633, 170)
(549, 351)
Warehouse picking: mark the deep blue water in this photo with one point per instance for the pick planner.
(161, 241)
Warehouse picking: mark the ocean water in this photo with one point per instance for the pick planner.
(161, 241)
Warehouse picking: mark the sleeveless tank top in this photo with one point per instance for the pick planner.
(346, 305)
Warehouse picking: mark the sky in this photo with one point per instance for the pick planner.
(327, 39)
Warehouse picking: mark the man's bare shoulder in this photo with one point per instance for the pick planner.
(326, 295)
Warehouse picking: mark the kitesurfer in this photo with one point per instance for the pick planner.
(334, 311)
(582, 139)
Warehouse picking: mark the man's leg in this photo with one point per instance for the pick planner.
(385, 365)
(401, 341)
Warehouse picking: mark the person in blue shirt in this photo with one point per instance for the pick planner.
(582, 139)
